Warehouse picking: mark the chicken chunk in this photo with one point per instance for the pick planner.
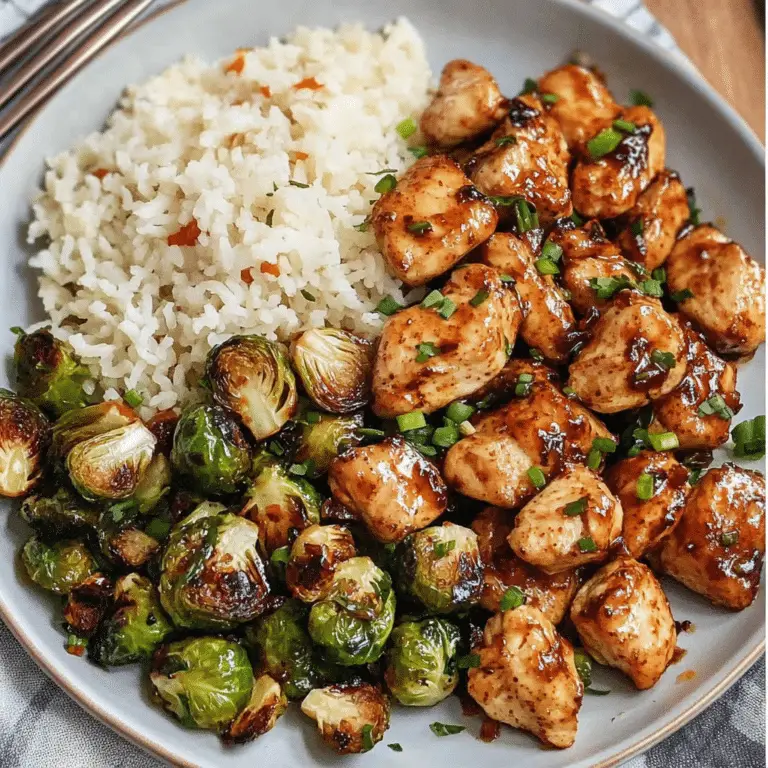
(541, 428)
(425, 361)
(624, 620)
(527, 676)
(718, 547)
(652, 488)
(608, 185)
(391, 486)
(526, 157)
(727, 287)
(468, 102)
(573, 521)
(547, 317)
(430, 220)
(637, 353)
(501, 387)
(584, 103)
(707, 381)
(654, 221)
(549, 593)
(589, 256)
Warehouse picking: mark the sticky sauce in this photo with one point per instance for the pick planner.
(686, 676)
(490, 730)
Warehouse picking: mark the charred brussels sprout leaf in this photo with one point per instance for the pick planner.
(59, 567)
(210, 450)
(80, 425)
(154, 485)
(135, 628)
(49, 374)
(63, 513)
(280, 503)
(252, 377)
(211, 574)
(87, 604)
(421, 662)
(24, 438)
(441, 567)
(335, 368)
(204, 681)
(120, 537)
(353, 623)
(323, 440)
(266, 705)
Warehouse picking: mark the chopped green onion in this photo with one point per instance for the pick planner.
(637, 226)
(419, 227)
(307, 295)
(158, 528)
(270, 218)
(537, 477)
(305, 468)
(432, 299)
(479, 298)
(569, 392)
(551, 251)
(418, 152)
(523, 386)
(458, 412)
(505, 278)
(370, 432)
(606, 287)
(659, 274)
(695, 476)
(382, 172)
(546, 267)
(536, 354)
(504, 140)
(594, 457)
(625, 126)
(395, 747)
(406, 422)
(133, 398)
(526, 216)
(406, 128)
(425, 350)
(281, 555)
(665, 360)
(604, 143)
(446, 436)
(514, 597)
(385, 184)
(652, 287)
(470, 661)
(427, 450)
(575, 508)
(583, 663)
(367, 737)
(467, 428)
(576, 219)
(15, 329)
(693, 210)
(75, 643)
(597, 691)
(275, 448)
(749, 439)
(312, 417)
(507, 347)
(604, 445)
(447, 309)
(388, 306)
(530, 85)
(640, 98)
(550, 98)
(442, 729)
(663, 441)
(729, 538)
(644, 487)
(586, 544)
(299, 184)
(442, 548)
(503, 199)
(716, 405)
(678, 296)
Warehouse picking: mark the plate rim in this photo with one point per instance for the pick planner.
(688, 72)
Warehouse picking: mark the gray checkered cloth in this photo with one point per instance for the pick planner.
(41, 727)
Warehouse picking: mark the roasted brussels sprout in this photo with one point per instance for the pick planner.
(78, 426)
(49, 373)
(252, 377)
(282, 645)
(87, 604)
(210, 450)
(324, 437)
(154, 485)
(58, 567)
(111, 466)
(280, 503)
(266, 705)
(120, 537)
(441, 567)
(204, 681)
(24, 438)
(211, 574)
(136, 626)
(353, 623)
(314, 557)
(163, 425)
(64, 512)
(351, 717)
(421, 662)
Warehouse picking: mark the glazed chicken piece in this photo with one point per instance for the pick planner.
(391, 486)
(467, 103)
(588, 255)
(609, 185)
(430, 220)
(624, 620)
(572, 521)
(527, 677)
(718, 547)
(502, 386)
(652, 488)
(637, 353)
(526, 157)
(549, 593)
(542, 428)
(654, 221)
(708, 380)
(727, 287)
(425, 361)
(584, 103)
(547, 317)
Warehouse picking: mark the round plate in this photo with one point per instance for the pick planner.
(707, 143)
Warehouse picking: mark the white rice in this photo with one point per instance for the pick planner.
(197, 141)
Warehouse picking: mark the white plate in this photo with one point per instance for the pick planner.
(707, 143)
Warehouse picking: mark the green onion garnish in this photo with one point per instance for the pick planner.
(514, 597)
(569, 392)
(550, 98)
(546, 267)
(583, 663)
(447, 309)
(418, 152)
(367, 737)
(606, 287)
(652, 287)
(442, 729)
(406, 128)
(280, 555)
(479, 298)
(432, 299)
(301, 470)
(644, 487)
(749, 439)
(504, 140)
(470, 661)
(419, 227)
(678, 296)
(551, 251)
(536, 354)
(575, 508)
(640, 98)
(523, 386)
(665, 360)
(659, 274)
(594, 457)
(526, 216)
(299, 184)
(158, 528)
(637, 226)
(663, 441)
(693, 210)
(530, 85)
(604, 143)
(505, 278)
(625, 126)
(388, 306)
(425, 350)
(307, 295)
(312, 417)
(410, 421)
(458, 412)
(427, 450)
(442, 548)
(133, 398)
(587, 544)
(576, 219)
(604, 445)
(370, 432)
(716, 405)
(395, 747)
(446, 436)
(385, 184)
(729, 538)
(537, 477)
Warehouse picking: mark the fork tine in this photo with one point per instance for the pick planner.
(55, 46)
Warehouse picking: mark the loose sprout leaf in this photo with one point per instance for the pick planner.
(367, 737)
(304, 469)
(385, 184)
(470, 661)
(444, 729)
(583, 662)
(395, 747)
(514, 597)
(281, 555)
(406, 128)
(640, 98)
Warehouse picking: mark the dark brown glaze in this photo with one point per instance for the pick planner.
(278, 523)
(678, 654)
(162, 425)
(645, 374)
(469, 707)
(88, 603)
(332, 511)
(727, 500)
(685, 626)
(648, 522)
(490, 730)
(631, 155)
(706, 375)
(501, 387)
(522, 114)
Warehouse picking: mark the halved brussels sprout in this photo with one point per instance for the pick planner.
(335, 368)
(87, 604)
(324, 438)
(353, 623)
(80, 425)
(24, 438)
(136, 626)
(154, 485)
(120, 537)
(266, 705)
(49, 373)
(252, 377)
(58, 567)
(211, 574)
(163, 425)
(421, 662)
(441, 567)
(351, 717)
(111, 465)
(204, 681)
(63, 513)
(315, 554)
(210, 450)
(280, 504)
